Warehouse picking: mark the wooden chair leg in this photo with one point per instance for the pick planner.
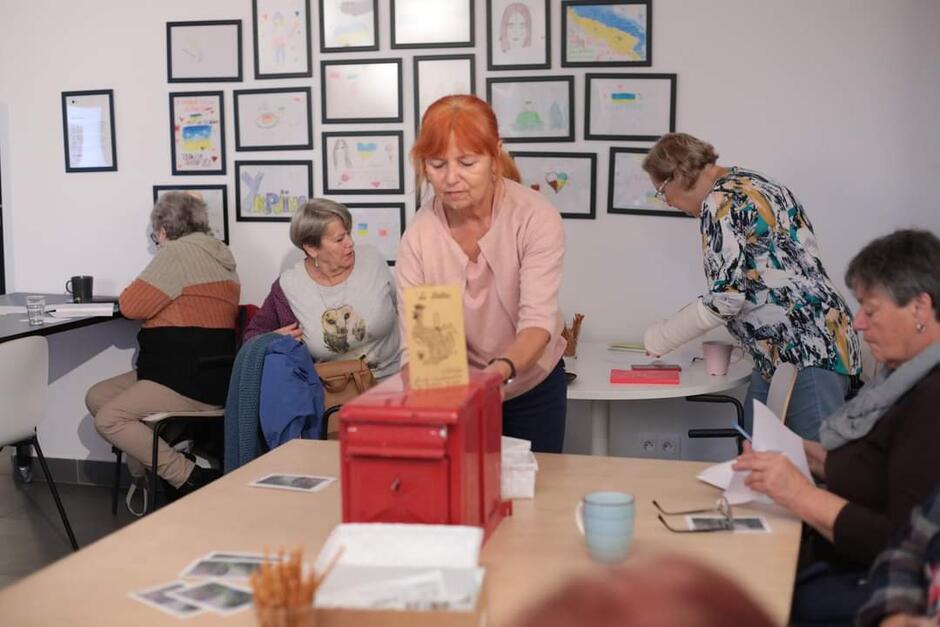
(55, 493)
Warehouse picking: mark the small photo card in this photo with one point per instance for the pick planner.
(158, 598)
(233, 568)
(241, 557)
(743, 524)
(217, 596)
(299, 483)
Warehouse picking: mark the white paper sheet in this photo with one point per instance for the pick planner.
(80, 310)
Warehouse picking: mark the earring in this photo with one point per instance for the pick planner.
(919, 327)
(316, 264)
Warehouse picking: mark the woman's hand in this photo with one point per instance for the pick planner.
(773, 474)
(292, 330)
(816, 458)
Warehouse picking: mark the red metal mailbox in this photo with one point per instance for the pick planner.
(424, 456)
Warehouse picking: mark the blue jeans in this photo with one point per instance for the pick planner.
(816, 394)
(539, 414)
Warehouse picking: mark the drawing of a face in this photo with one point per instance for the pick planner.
(341, 154)
(515, 29)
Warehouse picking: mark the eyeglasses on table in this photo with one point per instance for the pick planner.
(722, 507)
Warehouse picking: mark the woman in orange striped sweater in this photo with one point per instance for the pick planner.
(187, 300)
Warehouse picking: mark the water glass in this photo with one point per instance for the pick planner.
(36, 309)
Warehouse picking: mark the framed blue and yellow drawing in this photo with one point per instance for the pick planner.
(533, 108)
(606, 32)
(197, 132)
(363, 162)
(349, 25)
(380, 225)
(629, 107)
(271, 191)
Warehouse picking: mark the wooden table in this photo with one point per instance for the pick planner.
(530, 553)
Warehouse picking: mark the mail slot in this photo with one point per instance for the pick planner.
(424, 456)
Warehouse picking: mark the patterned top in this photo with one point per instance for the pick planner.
(767, 281)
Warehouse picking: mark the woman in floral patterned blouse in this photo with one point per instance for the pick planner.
(766, 282)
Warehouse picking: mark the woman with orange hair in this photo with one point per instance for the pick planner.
(503, 243)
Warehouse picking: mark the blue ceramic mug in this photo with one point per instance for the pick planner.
(605, 519)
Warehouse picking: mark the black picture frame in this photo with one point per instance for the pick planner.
(203, 78)
(568, 79)
(468, 43)
(176, 168)
(492, 35)
(666, 212)
(305, 138)
(645, 62)
(591, 121)
(364, 48)
(240, 182)
(325, 107)
(261, 75)
(327, 158)
(198, 188)
(591, 157)
(400, 206)
(470, 58)
(104, 165)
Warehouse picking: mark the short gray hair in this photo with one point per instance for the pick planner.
(679, 156)
(310, 222)
(905, 264)
(179, 214)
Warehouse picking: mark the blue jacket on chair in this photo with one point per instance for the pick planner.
(243, 441)
(291, 393)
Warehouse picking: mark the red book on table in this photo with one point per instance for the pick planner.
(645, 377)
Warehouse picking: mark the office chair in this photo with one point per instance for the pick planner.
(23, 389)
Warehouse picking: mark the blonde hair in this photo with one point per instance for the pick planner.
(679, 156)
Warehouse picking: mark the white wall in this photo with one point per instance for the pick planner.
(837, 99)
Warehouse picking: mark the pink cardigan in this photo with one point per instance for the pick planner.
(525, 248)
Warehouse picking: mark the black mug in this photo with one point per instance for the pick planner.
(80, 288)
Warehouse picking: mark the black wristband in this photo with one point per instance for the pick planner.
(512, 368)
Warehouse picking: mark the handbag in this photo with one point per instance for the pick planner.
(343, 380)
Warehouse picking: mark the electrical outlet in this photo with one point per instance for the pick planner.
(658, 445)
(647, 444)
(669, 446)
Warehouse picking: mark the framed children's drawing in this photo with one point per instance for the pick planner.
(361, 91)
(88, 131)
(606, 32)
(197, 132)
(363, 163)
(629, 189)
(432, 24)
(380, 225)
(271, 191)
(204, 52)
(282, 38)
(566, 178)
(216, 199)
(273, 119)
(348, 25)
(437, 76)
(533, 108)
(629, 107)
(518, 35)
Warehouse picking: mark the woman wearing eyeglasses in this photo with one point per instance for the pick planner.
(766, 281)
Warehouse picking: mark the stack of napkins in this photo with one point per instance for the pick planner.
(518, 468)
(80, 310)
(401, 567)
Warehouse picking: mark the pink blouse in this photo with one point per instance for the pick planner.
(513, 284)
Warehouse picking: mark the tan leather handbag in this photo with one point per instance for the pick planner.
(343, 380)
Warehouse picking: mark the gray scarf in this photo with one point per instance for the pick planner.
(860, 415)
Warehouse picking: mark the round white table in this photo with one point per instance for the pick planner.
(593, 366)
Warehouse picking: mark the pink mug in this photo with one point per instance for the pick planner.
(718, 356)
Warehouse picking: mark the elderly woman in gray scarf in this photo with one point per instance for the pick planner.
(878, 455)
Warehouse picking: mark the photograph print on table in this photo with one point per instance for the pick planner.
(348, 25)
(273, 119)
(272, 191)
(197, 132)
(216, 199)
(158, 598)
(606, 32)
(629, 107)
(565, 178)
(519, 35)
(380, 225)
(533, 108)
(629, 189)
(282, 38)
(363, 163)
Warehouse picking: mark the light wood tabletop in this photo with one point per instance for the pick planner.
(529, 554)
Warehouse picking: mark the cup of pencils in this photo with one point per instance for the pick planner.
(283, 594)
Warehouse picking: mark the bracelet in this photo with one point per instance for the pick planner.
(512, 368)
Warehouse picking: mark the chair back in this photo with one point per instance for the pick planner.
(23, 387)
(781, 388)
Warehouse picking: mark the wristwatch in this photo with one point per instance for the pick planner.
(512, 368)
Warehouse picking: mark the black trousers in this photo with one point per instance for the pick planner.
(539, 414)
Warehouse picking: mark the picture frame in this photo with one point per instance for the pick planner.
(273, 119)
(356, 90)
(197, 132)
(567, 179)
(437, 24)
(533, 108)
(88, 131)
(441, 75)
(271, 191)
(518, 35)
(216, 199)
(281, 37)
(348, 26)
(380, 224)
(629, 107)
(204, 51)
(363, 162)
(606, 33)
(629, 190)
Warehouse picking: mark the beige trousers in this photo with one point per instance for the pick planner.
(118, 405)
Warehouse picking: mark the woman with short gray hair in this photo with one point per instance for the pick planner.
(340, 300)
(179, 213)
